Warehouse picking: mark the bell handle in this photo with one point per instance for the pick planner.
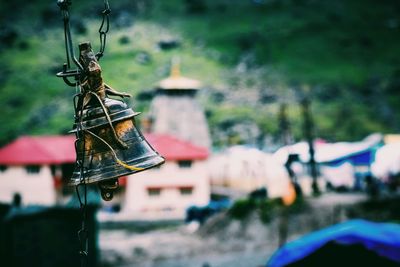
(64, 74)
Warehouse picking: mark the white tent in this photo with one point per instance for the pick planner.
(387, 161)
(246, 169)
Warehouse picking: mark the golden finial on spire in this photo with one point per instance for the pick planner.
(176, 80)
(175, 67)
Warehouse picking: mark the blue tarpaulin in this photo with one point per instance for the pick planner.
(381, 238)
(363, 158)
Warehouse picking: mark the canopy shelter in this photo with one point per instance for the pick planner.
(334, 154)
(352, 243)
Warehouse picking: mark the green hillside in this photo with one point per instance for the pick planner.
(250, 55)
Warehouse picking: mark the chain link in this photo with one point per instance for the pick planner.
(104, 28)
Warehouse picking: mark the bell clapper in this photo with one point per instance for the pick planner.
(107, 195)
(107, 188)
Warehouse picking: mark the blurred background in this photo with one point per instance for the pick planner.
(276, 118)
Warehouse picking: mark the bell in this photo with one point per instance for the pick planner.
(108, 143)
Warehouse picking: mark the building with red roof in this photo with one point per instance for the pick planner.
(50, 150)
(39, 167)
(39, 150)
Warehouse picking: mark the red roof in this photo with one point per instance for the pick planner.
(31, 150)
(39, 150)
(172, 148)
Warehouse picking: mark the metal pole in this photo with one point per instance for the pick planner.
(308, 134)
(284, 125)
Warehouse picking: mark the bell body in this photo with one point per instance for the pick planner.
(103, 156)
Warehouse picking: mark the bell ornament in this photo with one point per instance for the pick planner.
(108, 145)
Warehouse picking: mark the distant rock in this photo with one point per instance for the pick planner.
(168, 44)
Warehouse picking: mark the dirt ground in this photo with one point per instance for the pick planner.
(222, 241)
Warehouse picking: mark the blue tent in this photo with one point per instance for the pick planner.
(379, 239)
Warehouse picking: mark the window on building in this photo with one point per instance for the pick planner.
(32, 169)
(186, 191)
(153, 192)
(53, 169)
(3, 168)
(185, 163)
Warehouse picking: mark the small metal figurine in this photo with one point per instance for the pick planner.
(92, 80)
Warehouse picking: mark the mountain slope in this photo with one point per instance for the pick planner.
(250, 55)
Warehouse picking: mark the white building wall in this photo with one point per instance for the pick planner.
(170, 204)
(34, 188)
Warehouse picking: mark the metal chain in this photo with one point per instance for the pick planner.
(80, 161)
(78, 111)
(104, 27)
(69, 50)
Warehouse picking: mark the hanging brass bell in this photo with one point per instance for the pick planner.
(109, 145)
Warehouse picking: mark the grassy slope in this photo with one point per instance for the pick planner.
(347, 51)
